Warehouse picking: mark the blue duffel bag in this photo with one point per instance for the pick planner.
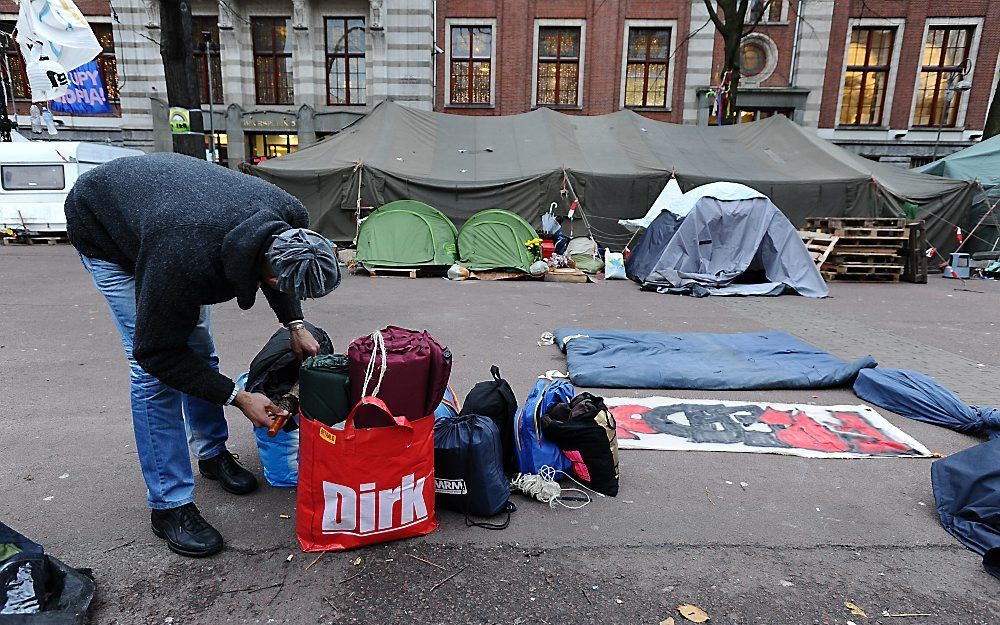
(468, 468)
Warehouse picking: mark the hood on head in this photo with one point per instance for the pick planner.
(243, 251)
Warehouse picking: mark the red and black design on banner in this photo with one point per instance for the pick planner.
(753, 425)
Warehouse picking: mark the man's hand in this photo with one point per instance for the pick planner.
(304, 344)
(258, 408)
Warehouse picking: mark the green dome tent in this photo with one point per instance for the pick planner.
(407, 233)
(494, 239)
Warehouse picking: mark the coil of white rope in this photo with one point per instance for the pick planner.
(544, 487)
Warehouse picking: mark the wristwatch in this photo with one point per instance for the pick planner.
(296, 325)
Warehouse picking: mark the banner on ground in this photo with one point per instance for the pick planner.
(86, 95)
(668, 424)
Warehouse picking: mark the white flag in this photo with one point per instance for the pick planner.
(56, 31)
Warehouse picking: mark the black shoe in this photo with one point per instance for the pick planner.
(231, 475)
(186, 531)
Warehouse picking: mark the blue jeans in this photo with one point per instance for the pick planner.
(166, 421)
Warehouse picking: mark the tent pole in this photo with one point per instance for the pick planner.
(985, 215)
(357, 210)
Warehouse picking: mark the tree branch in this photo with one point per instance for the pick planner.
(757, 21)
(715, 16)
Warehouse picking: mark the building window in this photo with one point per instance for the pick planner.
(745, 115)
(559, 65)
(774, 11)
(107, 64)
(946, 51)
(647, 65)
(210, 24)
(345, 60)
(265, 145)
(272, 59)
(471, 68)
(869, 56)
(18, 79)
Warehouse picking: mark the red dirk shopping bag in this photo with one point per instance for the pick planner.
(361, 486)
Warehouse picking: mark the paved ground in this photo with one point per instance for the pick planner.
(805, 535)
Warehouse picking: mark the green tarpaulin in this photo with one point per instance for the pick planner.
(617, 163)
(407, 233)
(980, 162)
(494, 239)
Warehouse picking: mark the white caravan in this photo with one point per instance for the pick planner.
(36, 176)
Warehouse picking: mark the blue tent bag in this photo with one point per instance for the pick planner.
(279, 454)
(916, 396)
(468, 466)
(533, 450)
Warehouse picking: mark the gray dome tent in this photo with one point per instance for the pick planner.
(735, 247)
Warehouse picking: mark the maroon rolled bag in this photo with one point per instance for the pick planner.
(411, 378)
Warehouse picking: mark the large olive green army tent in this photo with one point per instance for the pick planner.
(979, 163)
(616, 163)
(406, 233)
(494, 239)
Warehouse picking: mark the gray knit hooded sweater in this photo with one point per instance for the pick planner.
(192, 233)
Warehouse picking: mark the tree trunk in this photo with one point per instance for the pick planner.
(993, 117)
(180, 71)
(731, 67)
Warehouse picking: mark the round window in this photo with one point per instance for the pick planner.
(753, 58)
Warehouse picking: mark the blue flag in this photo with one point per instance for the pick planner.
(86, 95)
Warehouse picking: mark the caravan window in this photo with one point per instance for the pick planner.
(33, 177)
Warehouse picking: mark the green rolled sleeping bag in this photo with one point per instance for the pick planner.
(325, 388)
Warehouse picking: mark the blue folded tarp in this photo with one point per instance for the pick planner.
(759, 360)
(967, 493)
(919, 397)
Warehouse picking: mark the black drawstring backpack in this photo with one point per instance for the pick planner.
(495, 399)
(468, 471)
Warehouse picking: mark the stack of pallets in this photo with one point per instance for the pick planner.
(867, 249)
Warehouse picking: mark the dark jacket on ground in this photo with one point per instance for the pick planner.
(192, 233)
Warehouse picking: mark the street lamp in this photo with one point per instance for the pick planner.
(956, 84)
(206, 36)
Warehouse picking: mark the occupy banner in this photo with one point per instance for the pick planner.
(86, 95)
(668, 424)
(54, 38)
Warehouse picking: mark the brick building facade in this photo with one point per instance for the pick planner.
(871, 75)
(507, 57)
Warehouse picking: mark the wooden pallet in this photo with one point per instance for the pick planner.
(823, 223)
(819, 244)
(34, 240)
(392, 272)
(868, 232)
(860, 277)
(877, 243)
(860, 269)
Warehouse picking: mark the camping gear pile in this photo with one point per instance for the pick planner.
(383, 440)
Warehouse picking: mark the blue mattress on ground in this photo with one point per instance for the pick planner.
(755, 360)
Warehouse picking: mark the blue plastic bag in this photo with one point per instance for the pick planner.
(279, 454)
